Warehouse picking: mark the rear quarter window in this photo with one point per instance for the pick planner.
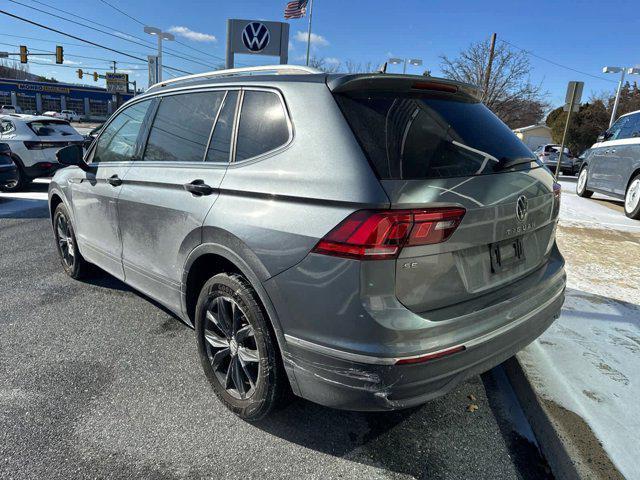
(263, 124)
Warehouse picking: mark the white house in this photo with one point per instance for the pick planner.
(534, 135)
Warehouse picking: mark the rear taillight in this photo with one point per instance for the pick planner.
(41, 145)
(381, 234)
(557, 194)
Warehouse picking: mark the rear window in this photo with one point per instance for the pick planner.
(418, 136)
(45, 128)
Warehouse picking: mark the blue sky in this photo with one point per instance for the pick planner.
(582, 35)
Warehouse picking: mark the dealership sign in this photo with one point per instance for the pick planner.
(117, 82)
(255, 37)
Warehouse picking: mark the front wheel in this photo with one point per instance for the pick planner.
(632, 199)
(72, 261)
(237, 350)
(581, 186)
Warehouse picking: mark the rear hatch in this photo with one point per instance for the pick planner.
(52, 134)
(434, 145)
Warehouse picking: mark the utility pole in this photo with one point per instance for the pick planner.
(114, 65)
(492, 48)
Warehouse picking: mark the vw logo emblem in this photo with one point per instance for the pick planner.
(522, 207)
(255, 37)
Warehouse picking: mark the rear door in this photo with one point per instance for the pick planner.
(168, 192)
(431, 149)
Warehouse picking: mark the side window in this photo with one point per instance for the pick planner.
(221, 138)
(117, 143)
(624, 127)
(182, 126)
(263, 124)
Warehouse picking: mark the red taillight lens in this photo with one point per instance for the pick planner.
(375, 235)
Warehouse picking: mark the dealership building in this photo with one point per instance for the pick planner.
(39, 97)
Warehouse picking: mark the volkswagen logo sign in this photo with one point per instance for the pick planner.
(255, 37)
(522, 207)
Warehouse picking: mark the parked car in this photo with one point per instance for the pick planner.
(34, 141)
(548, 155)
(69, 115)
(612, 165)
(8, 169)
(8, 109)
(368, 241)
(91, 136)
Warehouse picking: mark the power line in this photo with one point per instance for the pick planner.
(529, 52)
(123, 35)
(217, 57)
(122, 12)
(83, 40)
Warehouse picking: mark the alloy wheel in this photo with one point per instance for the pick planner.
(65, 240)
(582, 180)
(633, 196)
(231, 347)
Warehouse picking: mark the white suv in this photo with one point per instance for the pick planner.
(34, 141)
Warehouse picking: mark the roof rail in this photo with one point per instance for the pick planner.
(275, 69)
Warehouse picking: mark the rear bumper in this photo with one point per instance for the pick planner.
(342, 345)
(322, 377)
(42, 169)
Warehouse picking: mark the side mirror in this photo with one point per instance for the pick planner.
(604, 136)
(72, 155)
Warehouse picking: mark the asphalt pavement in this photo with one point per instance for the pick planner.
(97, 381)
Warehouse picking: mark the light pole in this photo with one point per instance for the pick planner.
(416, 62)
(161, 36)
(621, 71)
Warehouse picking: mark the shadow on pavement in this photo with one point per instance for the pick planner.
(23, 204)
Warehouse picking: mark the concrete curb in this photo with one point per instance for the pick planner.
(566, 441)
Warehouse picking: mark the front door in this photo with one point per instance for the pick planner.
(167, 193)
(95, 195)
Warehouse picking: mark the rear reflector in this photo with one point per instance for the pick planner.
(377, 235)
(431, 356)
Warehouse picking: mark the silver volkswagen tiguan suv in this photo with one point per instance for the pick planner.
(366, 241)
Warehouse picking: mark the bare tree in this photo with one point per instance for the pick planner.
(358, 67)
(510, 93)
(321, 64)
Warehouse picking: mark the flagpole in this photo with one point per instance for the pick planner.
(309, 30)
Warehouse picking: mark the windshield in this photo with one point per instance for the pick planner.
(414, 136)
(44, 128)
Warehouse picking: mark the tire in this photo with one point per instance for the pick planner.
(71, 259)
(581, 186)
(20, 183)
(239, 353)
(632, 199)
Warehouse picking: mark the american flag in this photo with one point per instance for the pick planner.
(296, 9)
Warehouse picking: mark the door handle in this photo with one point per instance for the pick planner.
(613, 150)
(198, 188)
(114, 181)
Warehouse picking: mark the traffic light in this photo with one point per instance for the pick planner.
(59, 56)
(80, 73)
(23, 54)
(95, 76)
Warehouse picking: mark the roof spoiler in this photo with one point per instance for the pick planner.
(402, 83)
